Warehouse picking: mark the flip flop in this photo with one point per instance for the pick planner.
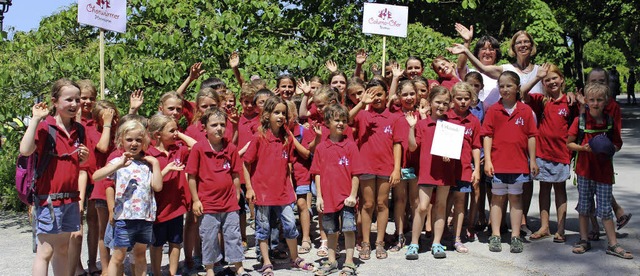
(539, 236)
(557, 238)
(623, 220)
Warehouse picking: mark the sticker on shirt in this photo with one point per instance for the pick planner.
(520, 121)
(344, 161)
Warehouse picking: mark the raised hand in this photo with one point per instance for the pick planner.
(397, 70)
(375, 70)
(304, 86)
(136, 99)
(543, 70)
(331, 66)
(195, 72)
(367, 96)
(412, 119)
(466, 34)
(361, 56)
(40, 110)
(234, 59)
(174, 166)
(457, 49)
(126, 160)
(107, 116)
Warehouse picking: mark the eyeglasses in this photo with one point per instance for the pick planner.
(523, 42)
(488, 49)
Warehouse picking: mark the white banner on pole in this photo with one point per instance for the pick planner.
(447, 140)
(382, 19)
(106, 14)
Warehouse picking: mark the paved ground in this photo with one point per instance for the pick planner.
(539, 258)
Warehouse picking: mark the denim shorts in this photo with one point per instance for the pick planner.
(588, 188)
(66, 218)
(305, 189)
(331, 221)
(287, 218)
(169, 231)
(229, 225)
(461, 186)
(408, 173)
(126, 233)
(552, 172)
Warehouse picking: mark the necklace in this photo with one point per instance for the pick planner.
(524, 70)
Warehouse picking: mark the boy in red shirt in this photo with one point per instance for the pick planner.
(594, 168)
(337, 162)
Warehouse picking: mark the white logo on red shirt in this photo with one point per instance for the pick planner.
(468, 131)
(285, 155)
(226, 165)
(520, 121)
(343, 161)
(563, 112)
(388, 130)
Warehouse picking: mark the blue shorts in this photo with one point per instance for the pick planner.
(461, 186)
(169, 231)
(552, 172)
(331, 221)
(229, 225)
(66, 218)
(408, 173)
(305, 189)
(287, 218)
(126, 233)
(588, 188)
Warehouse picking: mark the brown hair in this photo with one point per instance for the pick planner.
(102, 105)
(87, 85)
(206, 92)
(56, 88)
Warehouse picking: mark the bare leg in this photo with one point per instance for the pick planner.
(156, 260)
(174, 258)
(560, 190)
(495, 215)
(424, 195)
(544, 199)
(93, 233)
(75, 249)
(305, 217)
(51, 248)
(515, 213)
(105, 255)
(139, 253)
(400, 203)
(440, 213)
(382, 202)
(367, 188)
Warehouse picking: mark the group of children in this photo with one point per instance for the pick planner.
(348, 143)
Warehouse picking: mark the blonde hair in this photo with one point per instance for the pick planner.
(206, 92)
(593, 89)
(170, 95)
(554, 69)
(157, 123)
(128, 126)
(464, 87)
(512, 44)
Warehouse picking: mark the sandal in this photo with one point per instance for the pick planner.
(437, 250)
(299, 264)
(323, 250)
(460, 247)
(266, 270)
(398, 246)
(305, 249)
(327, 268)
(365, 252)
(594, 235)
(381, 253)
(348, 270)
(581, 247)
(623, 220)
(558, 238)
(539, 236)
(618, 251)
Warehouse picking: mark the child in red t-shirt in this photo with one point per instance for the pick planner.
(446, 70)
(214, 180)
(509, 132)
(336, 166)
(435, 173)
(267, 176)
(170, 202)
(381, 157)
(594, 168)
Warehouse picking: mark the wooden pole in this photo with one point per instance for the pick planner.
(101, 64)
(384, 52)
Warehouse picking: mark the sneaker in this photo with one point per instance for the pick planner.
(412, 252)
(494, 244)
(516, 245)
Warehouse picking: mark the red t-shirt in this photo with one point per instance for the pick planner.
(590, 165)
(188, 110)
(270, 157)
(92, 137)
(471, 141)
(106, 182)
(336, 163)
(401, 135)
(61, 174)
(171, 201)
(433, 169)
(246, 129)
(510, 133)
(100, 186)
(301, 176)
(214, 176)
(314, 116)
(448, 83)
(551, 142)
(612, 109)
(375, 140)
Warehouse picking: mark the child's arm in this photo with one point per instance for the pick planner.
(412, 120)
(236, 183)
(395, 177)
(111, 202)
(319, 201)
(156, 178)
(525, 88)
(136, 99)
(28, 142)
(367, 98)
(351, 200)
(475, 176)
(187, 139)
(105, 137)
(234, 61)
(196, 205)
(493, 71)
(306, 95)
(531, 146)
(361, 58)
(397, 72)
(83, 177)
(250, 195)
(304, 152)
(571, 144)
(488, 165)
(194, 74)
(172, 166)
(467, 35)
(317, 129)
(110, 168)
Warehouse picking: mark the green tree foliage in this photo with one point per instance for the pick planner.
(598, 53)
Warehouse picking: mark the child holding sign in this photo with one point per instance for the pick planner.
(513, 127)
(436, 172)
